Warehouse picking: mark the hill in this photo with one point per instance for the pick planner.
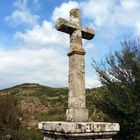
(23, 106)
(42, 103)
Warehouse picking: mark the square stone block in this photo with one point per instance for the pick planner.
(77, 115)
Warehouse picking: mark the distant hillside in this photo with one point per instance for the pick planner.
(42, 103)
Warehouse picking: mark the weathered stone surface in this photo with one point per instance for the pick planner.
(76, 42)
(74, 24)
(76, 82)
(75, 16)
(79, 130)
(79, 127)
(76, 100)
(75, 115)
(69, 27)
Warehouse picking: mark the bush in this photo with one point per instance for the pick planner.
(120, 74)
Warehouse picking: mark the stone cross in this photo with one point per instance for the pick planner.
(76, 111)
(77, 126)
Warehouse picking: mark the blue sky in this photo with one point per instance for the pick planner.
(31, 50)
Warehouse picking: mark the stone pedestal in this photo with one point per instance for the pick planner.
(78, 130)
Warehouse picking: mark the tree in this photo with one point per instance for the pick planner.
(120, 74)
(10, 115)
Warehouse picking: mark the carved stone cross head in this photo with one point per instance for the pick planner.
(76, 31)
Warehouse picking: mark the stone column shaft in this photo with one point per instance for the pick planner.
(76, 82)
(76, 111)
(76, 102)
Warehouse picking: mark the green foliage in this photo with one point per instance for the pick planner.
(46, 117)
(93, 96)
(30, 134)
(10, 115)
(52, 97)
(10, 120)
(53, 114)
(120, 74)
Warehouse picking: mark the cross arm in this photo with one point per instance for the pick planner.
(69, 27)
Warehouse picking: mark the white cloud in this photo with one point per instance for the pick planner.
(44, 35)
(128, 14)
(41, 59)
(92, 81)
(98, 11)
(112, 14)
(64, 9)
(88, 45)
(45, 66)
(22, 15)
(21, 4)
(130, 5)
(138, 29)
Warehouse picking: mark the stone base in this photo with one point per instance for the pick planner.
(78, 130)
(74, 115)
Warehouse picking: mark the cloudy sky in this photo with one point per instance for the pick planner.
(31, 50)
